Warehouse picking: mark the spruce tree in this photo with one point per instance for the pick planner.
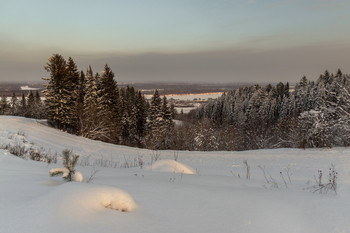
(141, 116)
(108, 104)
(3, 106)
(154, 114)
(14, 104)
(90, 126)
(30, 105)
(71, 95)
(39, 107)
(23, 105)
(55, 91)
(80, 100)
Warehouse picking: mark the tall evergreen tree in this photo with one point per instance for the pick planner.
(14, 104)
(55, 93)
(3, 106)
(154, 115)
(71, 95)
(91, 126)
(80, 100)
(108, 103)
(31, 108)
(141, 116)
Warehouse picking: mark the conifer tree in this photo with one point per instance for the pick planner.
(71, 94)
(14, 104)
(55, 93)
(23, 105)
(3, 106)
(141, 116)
(80, 99)
(91, 125)
(108, 104)
(30, 105)
(31, 99)
(154, 115)
(160, 123)
(39, 107)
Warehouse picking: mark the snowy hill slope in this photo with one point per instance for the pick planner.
(217, 198)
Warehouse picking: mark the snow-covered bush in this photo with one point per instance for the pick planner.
(18, 145)
(68, 172)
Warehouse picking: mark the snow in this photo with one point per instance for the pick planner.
(64, 171)
(78, 177)
(200, 96)
(184, 110)
(216, 199)
(172, 166)
(28, 88)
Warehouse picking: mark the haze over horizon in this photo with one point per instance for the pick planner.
(177, 41)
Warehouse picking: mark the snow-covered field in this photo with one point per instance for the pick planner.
(194, 96)
(200, 192)
(200, 96)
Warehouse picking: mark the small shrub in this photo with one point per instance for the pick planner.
(268, 178)
(16, 150)
(69, 162)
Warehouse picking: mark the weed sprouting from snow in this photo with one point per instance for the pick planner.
(287, 170)
(284, 180)
(92, 175)
(247, 169)
(268, 178)
(176, 155)
(331, 183)
(140, 161)
(155, 156)
(262, 168)
(21, 133)
(101, 162)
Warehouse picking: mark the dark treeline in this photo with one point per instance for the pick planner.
(92, 105)
(314, 114)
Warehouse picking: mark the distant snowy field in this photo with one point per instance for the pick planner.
(201, 96)
(202, 192)
(191, 97)
(28, 88)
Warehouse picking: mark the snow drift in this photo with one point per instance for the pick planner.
(172, 166)
(75, 199)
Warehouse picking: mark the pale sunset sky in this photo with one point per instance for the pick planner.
(177, 40)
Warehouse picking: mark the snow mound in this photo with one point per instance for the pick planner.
(78, 199)
(78, 177)
(172, 166)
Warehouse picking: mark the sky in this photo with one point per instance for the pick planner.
(177, 40)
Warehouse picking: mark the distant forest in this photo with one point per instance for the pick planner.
(311, 114)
